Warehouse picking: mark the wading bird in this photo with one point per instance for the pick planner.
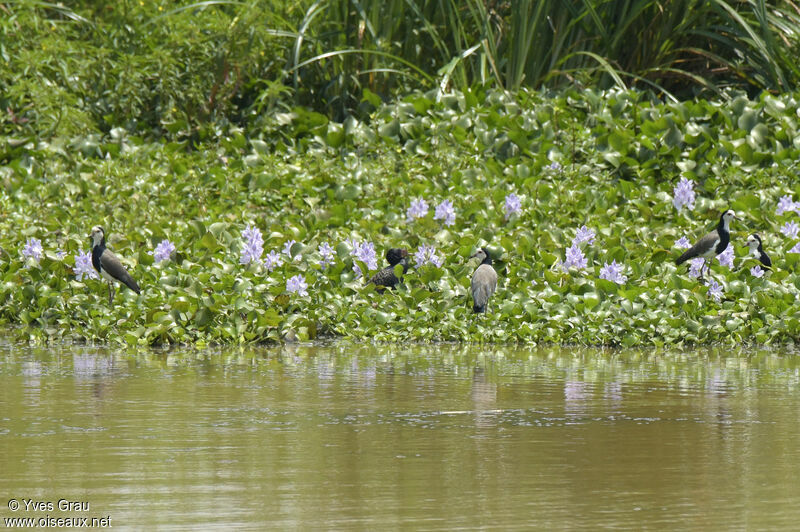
(108, 265)
(712, 244)
(484, 281)
(757, 250)
(386, 276)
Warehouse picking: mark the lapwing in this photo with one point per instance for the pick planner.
(484, 281)
(757, 250)
(108, 265)
(712, 244)
(386, 277)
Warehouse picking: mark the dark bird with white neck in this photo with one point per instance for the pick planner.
(757, 250)
(108, 265)
(711, 244)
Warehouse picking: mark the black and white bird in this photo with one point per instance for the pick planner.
(757, 250)
(711, 244)
(108, 265)
(386, 277)
(484, 281)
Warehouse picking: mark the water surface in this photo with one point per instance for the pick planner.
(422, 437)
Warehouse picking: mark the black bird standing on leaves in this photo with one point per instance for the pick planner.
(757, 250)
(108, 265)
(484, 281)
(386, 276)
(711, 244)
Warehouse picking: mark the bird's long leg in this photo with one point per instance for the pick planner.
(110, 294)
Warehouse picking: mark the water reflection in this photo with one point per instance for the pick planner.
(359, 436)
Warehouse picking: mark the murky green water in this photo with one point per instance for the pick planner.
(437, 437)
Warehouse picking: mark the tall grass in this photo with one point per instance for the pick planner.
(171, 68)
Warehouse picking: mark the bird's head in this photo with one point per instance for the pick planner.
(754, 242)
(482, 254)
(98, 235)
(396, 255)
(725, 219)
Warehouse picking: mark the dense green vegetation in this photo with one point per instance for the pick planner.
(173, 68)
(618, 157)
(320, 122)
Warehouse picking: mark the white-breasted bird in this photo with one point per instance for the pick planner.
(757, 250)
(711, 244)
(484, 281)
(108, 265)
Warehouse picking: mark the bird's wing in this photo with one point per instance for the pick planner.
(111, 264)
(701, 247)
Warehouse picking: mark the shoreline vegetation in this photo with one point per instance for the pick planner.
(248, 215)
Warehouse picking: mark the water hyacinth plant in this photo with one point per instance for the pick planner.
(365, 252)
(683, 194)
(696, 266)
(33, 250)
(613, 272)
(584, 234)
(575, 258)
(326, 253)
(714, 290)
(445, 212)
(790, 229)
(683, 243)
(786, 204)
(302, 191)
(726, 257)
(757, 271)
(253, 246)
(83, 266)
(163, 251)
(297, 285)
(427, 255)
(272, 260)
(512, 205)
(418, 209)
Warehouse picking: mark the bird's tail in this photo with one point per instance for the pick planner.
(683, 258)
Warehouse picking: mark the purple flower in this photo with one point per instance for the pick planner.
(613, 272)
(163, 251)
(287, 248)
(785, 204)
(297, 285)
(575, 258)
(726, 257)
(512, 205)
(83, 266)
(427, 255)
(60, 254)
(272, 260)
(555, 166)
(683, 194)
(418, 209)
(584, 234)
(444, 211)
(714, 289)
(795, 249)
(365, 252)
(326, 251)
(253, 245)
(790, 230)
(683, 243)
(33, 249)
(696, 266)
(757, 271)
